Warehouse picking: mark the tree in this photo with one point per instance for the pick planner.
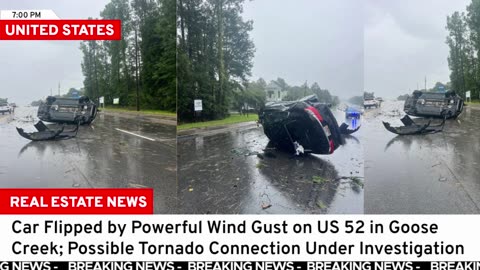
(140, 69)
(457, 43)
(214, 56)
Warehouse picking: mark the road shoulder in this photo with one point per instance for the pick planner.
(203, 131)
(155, 118)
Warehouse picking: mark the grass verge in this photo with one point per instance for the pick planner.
(133, 110)
(475, 101)
(232, 119)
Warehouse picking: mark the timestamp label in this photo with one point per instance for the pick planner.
(27, 14)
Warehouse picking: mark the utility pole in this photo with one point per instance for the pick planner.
(136, 67)
(96, 92)
(58, 89)
(425, 83)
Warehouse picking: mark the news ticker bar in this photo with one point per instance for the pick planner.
(237, 265)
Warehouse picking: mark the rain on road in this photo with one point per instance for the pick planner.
(421, 174)
(102, 155)
(227, 171)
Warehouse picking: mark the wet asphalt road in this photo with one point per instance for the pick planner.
(227, 171)
(100, 156)
(422, 174)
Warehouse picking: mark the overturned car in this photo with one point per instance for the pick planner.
(303, 126)
(434, 104)
(80, 110)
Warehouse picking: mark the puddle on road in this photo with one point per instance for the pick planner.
(429, 173)
(98, 157)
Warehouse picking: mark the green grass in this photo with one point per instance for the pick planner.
(475, 101)
(233, 119)
(133, 110)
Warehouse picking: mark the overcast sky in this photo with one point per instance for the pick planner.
(309, 40)
(344, 45)
(29, 69)
(404, 42)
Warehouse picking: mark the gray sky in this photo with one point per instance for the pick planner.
(309, 40)
(404, 42)
(29, 69)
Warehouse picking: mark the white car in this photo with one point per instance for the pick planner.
(5, 108)
(370, 103)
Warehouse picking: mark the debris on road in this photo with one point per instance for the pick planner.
(412, 128)
(321, 205)
(45, 134)
(134, 185)
(319, 180)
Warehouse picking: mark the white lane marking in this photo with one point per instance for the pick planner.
(134, 134)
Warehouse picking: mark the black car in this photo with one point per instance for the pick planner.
(303, 126)
(434, 104)
(67, 110)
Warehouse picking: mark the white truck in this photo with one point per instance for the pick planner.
(369, 101)
(5, 108)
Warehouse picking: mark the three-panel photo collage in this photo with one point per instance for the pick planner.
(252, 107)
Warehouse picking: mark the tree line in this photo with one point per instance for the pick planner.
(214, 61)
(214, 57)
(139, 69)
(463, 40)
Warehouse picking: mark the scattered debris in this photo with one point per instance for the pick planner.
(266, 203)
(266, 206)
(412, 128)
(133, 185)
(355, 180)
(260, 165)
(442, 179)
(321, 205)
(319, 180)
(44, 133)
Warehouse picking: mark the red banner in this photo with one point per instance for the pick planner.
(60, 29)
(76, 201)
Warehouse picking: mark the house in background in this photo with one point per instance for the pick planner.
(274, 92)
